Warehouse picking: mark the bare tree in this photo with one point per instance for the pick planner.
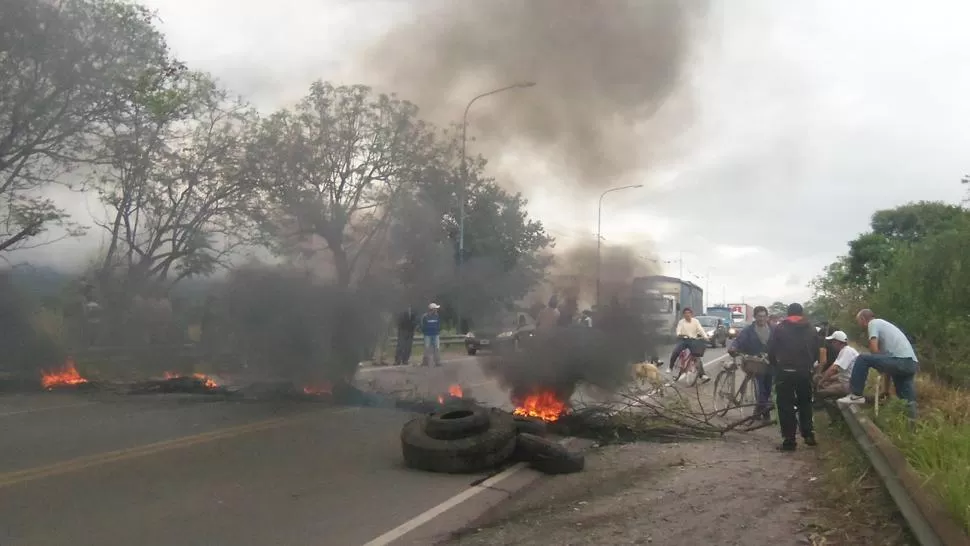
(334, 167)
(60, 64)
(170, 181)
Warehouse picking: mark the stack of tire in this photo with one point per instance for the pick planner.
(468, 439)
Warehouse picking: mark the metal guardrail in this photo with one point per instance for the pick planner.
(926, 518)
(444, 340)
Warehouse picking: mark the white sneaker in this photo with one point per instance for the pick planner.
(705, 378)
(852, 399)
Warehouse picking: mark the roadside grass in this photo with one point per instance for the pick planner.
(853, 507)
(937, 445)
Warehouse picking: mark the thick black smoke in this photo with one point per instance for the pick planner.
(603, 70)
(562, 359)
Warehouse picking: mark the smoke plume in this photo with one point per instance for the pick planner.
(603, 70)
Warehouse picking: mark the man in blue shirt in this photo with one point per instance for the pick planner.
(753, 341)
(431, 330)
(891, 353)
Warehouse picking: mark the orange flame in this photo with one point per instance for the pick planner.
(542, 405)
(67, 375)
(206, 381)
(454, 391)
(323, 388)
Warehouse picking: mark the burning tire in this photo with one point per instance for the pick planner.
(457, 422)
(464, 455)
(529, 425)
(547, 456)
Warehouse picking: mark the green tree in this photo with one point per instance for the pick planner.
(778, 308)
(872, 254)
(169, 178)
(60, 65)
(927, 293)
(334, 169)
(504, 248)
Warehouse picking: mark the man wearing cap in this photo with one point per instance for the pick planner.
(792, 353)
(431, 330)
(834, 381)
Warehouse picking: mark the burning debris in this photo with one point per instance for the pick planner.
(454, 392)
(544, 405)
(321, 389)
(176, 382)
(66, 376)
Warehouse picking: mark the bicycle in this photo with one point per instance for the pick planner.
(689, 361)
(726, 396)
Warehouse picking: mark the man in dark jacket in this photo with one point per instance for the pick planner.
(792, 354)
(407, 321)
(753, 341)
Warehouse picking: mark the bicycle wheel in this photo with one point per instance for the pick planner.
(742, 402)
(746, 396)
(724, 393)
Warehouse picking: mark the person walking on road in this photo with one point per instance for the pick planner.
(792, 353)
(431, 330)
(406, 323)
(753, 342)
(891, 353)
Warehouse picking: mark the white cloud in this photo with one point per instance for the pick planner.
(809, 117)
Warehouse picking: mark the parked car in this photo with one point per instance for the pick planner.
(498, 339)
(716, 330)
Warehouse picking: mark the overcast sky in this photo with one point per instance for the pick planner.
(806, 118)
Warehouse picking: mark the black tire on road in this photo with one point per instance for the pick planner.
(529, 447)
(463, 456)
(529, 425)
(547, 456)
(459, 421)
(568, 464)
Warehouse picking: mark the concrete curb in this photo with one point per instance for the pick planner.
(925, 516)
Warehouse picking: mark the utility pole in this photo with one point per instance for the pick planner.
(464, 183)
(599, 236)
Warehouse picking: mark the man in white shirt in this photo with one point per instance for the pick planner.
(834, 382)
(689, 328)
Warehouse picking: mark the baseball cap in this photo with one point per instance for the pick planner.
(433, 306)
(839, 335)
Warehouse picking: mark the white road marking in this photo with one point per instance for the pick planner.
(48, 408)
(419, 520)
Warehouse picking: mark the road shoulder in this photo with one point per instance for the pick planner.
(733, 491)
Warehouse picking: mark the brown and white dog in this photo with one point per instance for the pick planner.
(645, 372)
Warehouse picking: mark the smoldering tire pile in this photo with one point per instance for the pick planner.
(465, 439)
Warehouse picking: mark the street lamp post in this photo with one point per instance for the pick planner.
(599, 237)
(464, 179)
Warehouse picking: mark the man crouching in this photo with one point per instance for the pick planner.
(792, 353)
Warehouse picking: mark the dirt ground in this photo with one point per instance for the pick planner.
(738, 490)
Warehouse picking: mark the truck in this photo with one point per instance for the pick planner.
(670, 296)
(741, 315)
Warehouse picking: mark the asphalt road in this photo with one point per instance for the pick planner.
(90, 469)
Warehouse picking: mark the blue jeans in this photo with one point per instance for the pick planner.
(432, 346)
(762, 392)
(902, 370)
